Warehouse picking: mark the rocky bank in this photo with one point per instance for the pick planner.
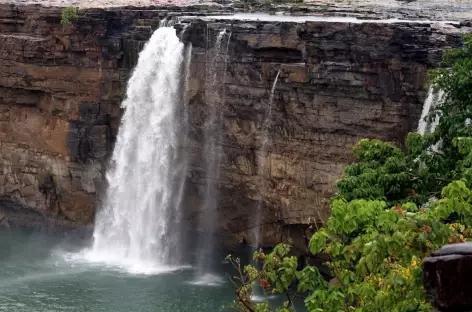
(61, 88)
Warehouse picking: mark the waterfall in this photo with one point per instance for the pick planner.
(135, 228)
(257, 291)
(212, 154)
(263, 154)
(180, 167)
(432, 100)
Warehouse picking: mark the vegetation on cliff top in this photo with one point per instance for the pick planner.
(69, 14)
(393, 207)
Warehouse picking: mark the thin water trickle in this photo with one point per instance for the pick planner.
(257, 291)
(265, 144)
(136, 227)
(212, 132)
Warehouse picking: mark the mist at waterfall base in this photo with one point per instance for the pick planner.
(38, 273)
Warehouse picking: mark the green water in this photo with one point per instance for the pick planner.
(47, 274)
(42, 273)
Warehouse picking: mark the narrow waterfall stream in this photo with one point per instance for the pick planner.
(433, 99)
(257, 292)
(212, 151)
(265, 144)
(134, 229)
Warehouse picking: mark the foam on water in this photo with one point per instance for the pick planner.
(208, 280)
(262, 298)
(91, 259)
(88, 259)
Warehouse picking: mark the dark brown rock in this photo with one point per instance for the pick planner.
(447, 275)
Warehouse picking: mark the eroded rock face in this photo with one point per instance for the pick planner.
(61, 88)
(338, 83)
(57, 111)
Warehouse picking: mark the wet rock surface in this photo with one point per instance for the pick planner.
(61, 88)
(447, 275)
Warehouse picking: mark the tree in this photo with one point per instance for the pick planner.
(69, 14)
(393, 207)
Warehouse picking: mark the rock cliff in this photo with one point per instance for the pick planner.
(61, 86)
(59, 95)
(338, 83)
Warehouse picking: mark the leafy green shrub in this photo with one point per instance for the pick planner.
(393, 207)
(69, 14)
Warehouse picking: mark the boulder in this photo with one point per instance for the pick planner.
(447, 277)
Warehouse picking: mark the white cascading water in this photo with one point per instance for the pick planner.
(432, 100)
(181, 165)
(136, 227)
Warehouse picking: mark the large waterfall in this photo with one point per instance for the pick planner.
(138, 226)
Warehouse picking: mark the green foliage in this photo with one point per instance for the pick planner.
(381, 172)
(69, 14)
(455, 80)
(376, 255)
(278, 273)
(393, 207)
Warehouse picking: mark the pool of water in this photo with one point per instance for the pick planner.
(44, 273)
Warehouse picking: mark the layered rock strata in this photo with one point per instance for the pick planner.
(59, 92)
(338, 83)
(61, 86)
